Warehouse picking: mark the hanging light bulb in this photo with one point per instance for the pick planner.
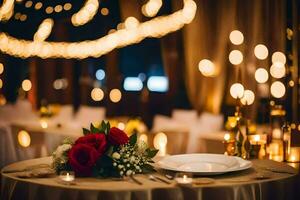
(279, 57)
(261, 75)
(277, 70)
(236, 57)
(261, 51)
(248, 97)
(207, 68)
(278, 89)
(237, 90)
(236, 37)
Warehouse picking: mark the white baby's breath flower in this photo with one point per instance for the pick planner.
(61, 150)
(116, 155)
(128, 173)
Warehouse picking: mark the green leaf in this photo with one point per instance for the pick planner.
(133, 139)
(86, 131)
(94, 129)
(151, 152)
(104, 127)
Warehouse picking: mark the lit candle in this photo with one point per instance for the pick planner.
(67, 176)
(294, 155)
(160, 142)
(227, 137)
(184, 180)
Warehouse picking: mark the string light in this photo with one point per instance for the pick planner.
(6, 10)
(278, 89)
(156, 28)
(151, 8)
(236, 57)
(104, 11)
(23, 17)
(24, 138)
(44, 30)
(131, 23)
(38, 5)
(28, 4)
(237, 90)
(26, 85)
(261, 75)
(236, 37)
(277, 70)
(261, 51)
(58, 8)
(49, 10)
(248, 97)
(207, 68)
(86, 13)
(67, 6)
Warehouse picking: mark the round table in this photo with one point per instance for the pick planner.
(238, 185)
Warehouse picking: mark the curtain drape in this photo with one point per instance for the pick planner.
(208, 37)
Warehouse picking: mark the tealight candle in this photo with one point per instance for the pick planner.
(183, 179)
(67, 176)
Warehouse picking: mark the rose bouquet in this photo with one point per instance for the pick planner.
(104, 152)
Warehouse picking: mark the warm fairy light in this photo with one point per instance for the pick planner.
(236, 57)
(131, 22)
(154, 28)
(17, 16)
(58, 8)
(207, 68)
(277, 70)
(44, 30)
(24, 138)
(86, 13)
(28, 4)
(256, 138)
(97, 94)
(261, 51)
(261, 75)
(115, 95)
(291, 83)
(121, 126)
(26, 85)
(160, 142)
(2, 100)
(23, 17)
(227, 137)
(60, 84)
(151, 8)
(278, 89)
(248, 97)
(278, 57)
(38, 5)
(6, 10)
(1, 83)
(67, 6)
(237, 90)
(49, 10)
(236, 37)
(104, 11)
(1, 68)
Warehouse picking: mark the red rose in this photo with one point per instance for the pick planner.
(97, 140)
(82, 158)
(117, 136)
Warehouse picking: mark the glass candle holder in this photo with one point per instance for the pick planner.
(184, 179)
(229, 144)
(67, 177)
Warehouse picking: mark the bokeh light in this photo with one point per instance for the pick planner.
(261, 51)
(97, 94)
(237, 90)
(278, 57)
(261, 75)
(236, 37)
(277, 70)
(1, 68)
(100, 74)
(278, 89)
(248, 97)
(24, 138)
(115, 95)
(236, 57)
(207, 68)
(26, 85)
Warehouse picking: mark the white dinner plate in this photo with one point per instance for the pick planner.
(203, 164)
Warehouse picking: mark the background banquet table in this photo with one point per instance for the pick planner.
(239, 185)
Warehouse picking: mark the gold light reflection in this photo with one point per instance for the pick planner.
(156, 28)
(261, 75)
(236, 37)
(236, 57)
(261, 51)
(278, 89)
(237, 90)
(24, 138)
(97, 94)
(26, 85)
(115, 95)
(44, 30)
